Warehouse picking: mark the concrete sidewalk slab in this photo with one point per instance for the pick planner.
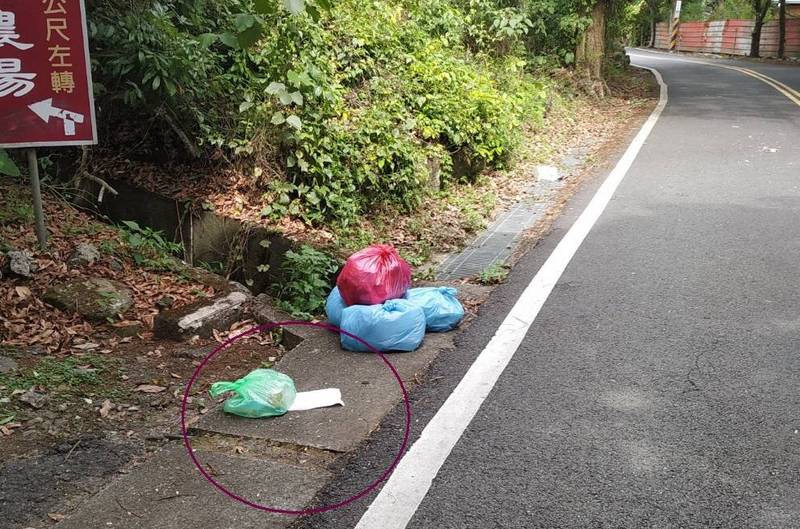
(368, 388)
(168, 492)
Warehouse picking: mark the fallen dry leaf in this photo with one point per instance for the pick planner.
(241, 325)
(56, 516)
(23, 292)
(105, 408)
(25, 319)
(125, 323)
(86, 346)
(149, 388)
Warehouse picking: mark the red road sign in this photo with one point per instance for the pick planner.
(45, 77)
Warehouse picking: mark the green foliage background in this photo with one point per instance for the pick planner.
(693, 10)
(347, 104)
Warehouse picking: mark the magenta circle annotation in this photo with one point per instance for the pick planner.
(313, 510)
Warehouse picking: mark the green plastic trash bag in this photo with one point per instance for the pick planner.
(261, 393)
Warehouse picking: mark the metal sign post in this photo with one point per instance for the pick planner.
(45, 82)
(33, 171)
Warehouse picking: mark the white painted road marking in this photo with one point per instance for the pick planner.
(408, 485)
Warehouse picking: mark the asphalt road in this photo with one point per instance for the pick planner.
(787, 74)
(659, 386)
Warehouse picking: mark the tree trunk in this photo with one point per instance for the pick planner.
(760, 9)
(782, 30)
(652, 29)
(592, 44)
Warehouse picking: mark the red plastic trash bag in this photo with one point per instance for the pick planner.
(374, 275)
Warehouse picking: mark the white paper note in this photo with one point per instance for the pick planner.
(321, 398)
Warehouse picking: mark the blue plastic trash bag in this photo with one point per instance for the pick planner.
(443, 311)
(260, 393)
(397, 325)
(334, 307)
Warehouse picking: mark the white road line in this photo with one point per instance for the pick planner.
(408, 485)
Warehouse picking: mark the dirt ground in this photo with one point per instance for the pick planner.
(149, 269)
(79, 399)
(102, 414)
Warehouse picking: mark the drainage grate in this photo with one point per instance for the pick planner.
(497, 242)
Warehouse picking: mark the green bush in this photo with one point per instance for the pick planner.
(148, 248)
(494, 29)
(732, 9)
(307, 280)
(350, 103)
(7, 165)
(556, 27)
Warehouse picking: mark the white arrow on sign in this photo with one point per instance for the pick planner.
(45, 110)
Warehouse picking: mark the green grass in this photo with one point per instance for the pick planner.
(149, 249)
(52, 374)
(353, 237)
(61, 379)
(215, 267)
(424, 273)
(493, 274)
(475, 203)
(419, 252)
(78, 229)
(109, 247)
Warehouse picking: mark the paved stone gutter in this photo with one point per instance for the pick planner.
(496, 244)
